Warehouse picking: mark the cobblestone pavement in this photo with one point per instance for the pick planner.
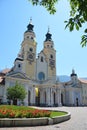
(78, 121)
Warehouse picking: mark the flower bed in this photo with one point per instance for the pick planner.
(14, 116)
(22, 112)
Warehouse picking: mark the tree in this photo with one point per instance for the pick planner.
(16, 92)
(78, 14)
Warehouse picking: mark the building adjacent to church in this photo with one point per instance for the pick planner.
(38, 76)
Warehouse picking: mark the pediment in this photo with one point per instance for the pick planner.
(18, 75)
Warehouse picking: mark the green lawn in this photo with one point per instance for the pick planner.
(14, 107)
(57, 113)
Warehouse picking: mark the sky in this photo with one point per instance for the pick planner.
(14, 18)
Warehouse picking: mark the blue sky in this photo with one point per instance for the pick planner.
(14, 18)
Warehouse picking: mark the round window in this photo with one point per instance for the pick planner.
(41, 76)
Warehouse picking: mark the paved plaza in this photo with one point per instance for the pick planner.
(78, 121)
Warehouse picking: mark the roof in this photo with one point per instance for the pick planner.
(83, 80)
(73, 74)
(2, 76)
(19, 58)
(5, 70)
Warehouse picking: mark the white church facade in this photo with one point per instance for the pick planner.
(38, 76)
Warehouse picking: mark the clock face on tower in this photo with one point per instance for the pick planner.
(52, 63)
(30, 57)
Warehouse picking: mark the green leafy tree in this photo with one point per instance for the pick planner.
(48, 4)
(78, 14)
(16, 92)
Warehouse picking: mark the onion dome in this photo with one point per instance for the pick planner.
(48, 36)
(73, 73)
(30, 26)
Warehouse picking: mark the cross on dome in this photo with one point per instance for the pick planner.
(30, 26)
(48, 35)
(30, 20)
(73, 71)
(48, 29)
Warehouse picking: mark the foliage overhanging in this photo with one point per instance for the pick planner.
(78, 14)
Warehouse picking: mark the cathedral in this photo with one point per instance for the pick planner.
(37, 74)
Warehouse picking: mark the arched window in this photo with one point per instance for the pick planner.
(41, 59)
(19, 65)
(32, 38)
(51, 56)
(47, 45)
(27, 36)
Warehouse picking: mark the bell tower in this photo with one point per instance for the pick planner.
(74, 77)
(50, 54)
(28, 51)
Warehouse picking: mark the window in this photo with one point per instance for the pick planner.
(41, 76)
(41, 59)
(27, 36)
(32, 38)
(19, 65)
(31, 49)
(51, 56)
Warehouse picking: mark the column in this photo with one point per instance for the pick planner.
(32, 95)
(48, 96)
(41, 97)
(51, 97)
(59, 97)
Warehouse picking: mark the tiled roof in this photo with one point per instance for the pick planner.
(83, 80)
(5, 70)
(2, 75)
